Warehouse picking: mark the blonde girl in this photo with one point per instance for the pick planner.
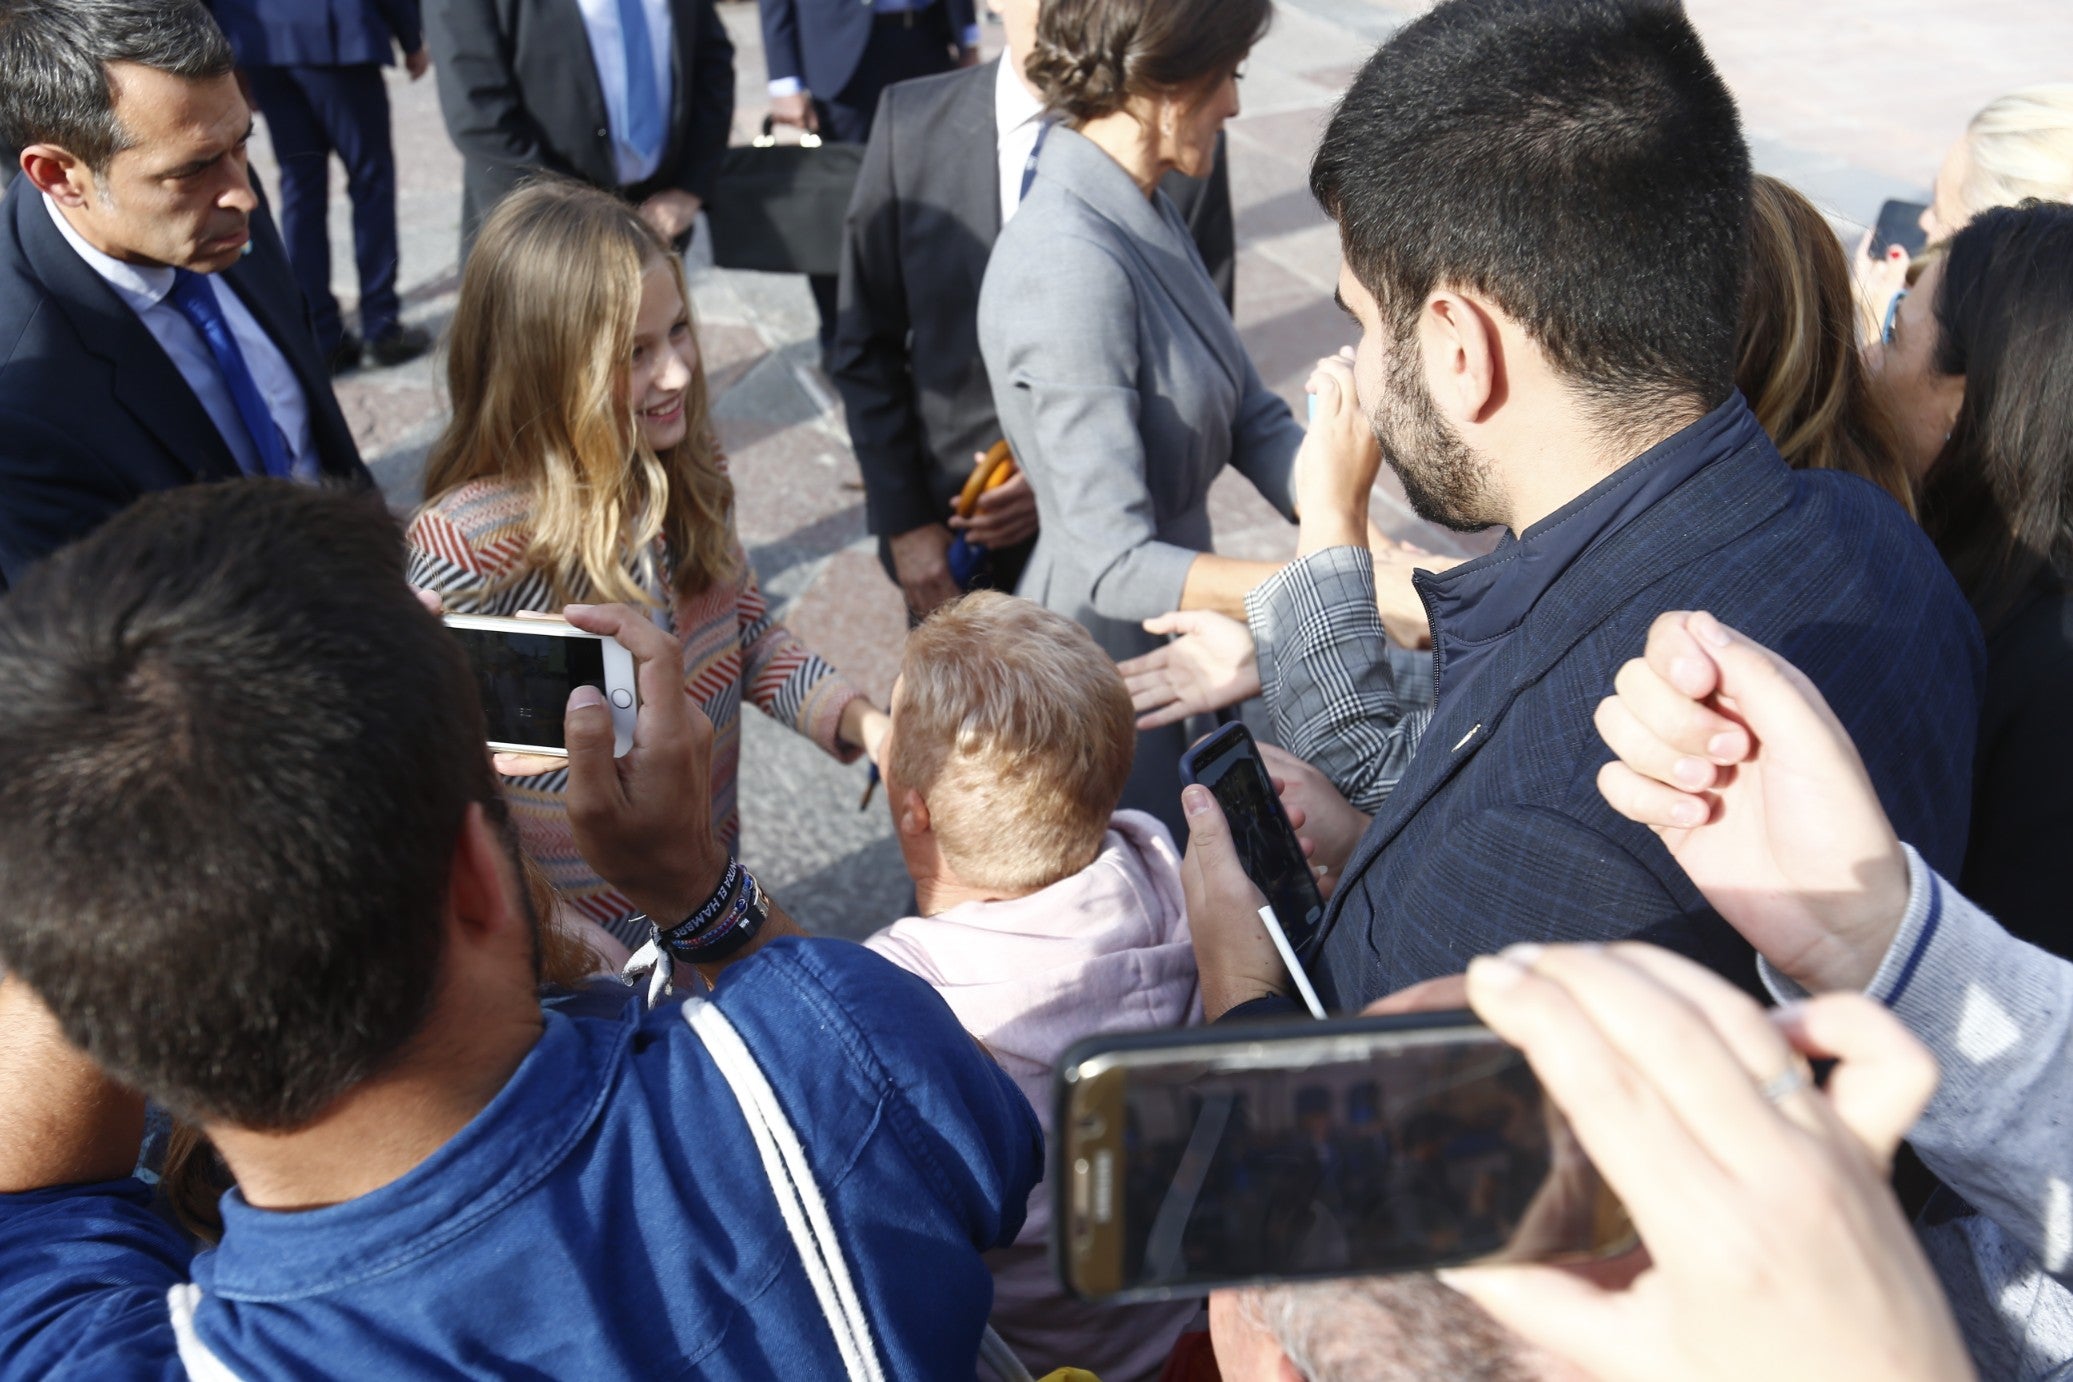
(580, 466)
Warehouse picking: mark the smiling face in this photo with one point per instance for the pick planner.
(178, 195)
(1923, 399)
(665, 358)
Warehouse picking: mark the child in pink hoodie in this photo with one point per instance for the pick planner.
(1046, 914)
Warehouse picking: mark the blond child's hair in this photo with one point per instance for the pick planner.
(1017, 730)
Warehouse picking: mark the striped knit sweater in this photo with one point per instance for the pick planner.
(470, 544)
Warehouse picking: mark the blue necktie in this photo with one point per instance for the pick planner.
(644, 115)
(195, 299)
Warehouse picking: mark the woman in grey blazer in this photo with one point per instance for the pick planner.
(1117, 372)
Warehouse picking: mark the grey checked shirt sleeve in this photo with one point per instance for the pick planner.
(1336, 694)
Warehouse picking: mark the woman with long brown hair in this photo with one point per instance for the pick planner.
(1796, 356)
(580, 465)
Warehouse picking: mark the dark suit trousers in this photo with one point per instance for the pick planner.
(312, 113)
(897, 52)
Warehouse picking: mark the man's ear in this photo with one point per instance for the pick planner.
(55, 173)
(1287, 1372)
(482, 886)
(911, 813)
(1464, 356)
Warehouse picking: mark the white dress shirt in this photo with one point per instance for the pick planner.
(608, 51)
(144, 288)
(1017, 117)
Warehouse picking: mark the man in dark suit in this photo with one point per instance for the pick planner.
(1543, 215)
(315, 70)
(829, 60)
(941, 175)
(151, 333)
(634, 96)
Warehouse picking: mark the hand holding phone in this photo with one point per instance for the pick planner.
(525, 670)
(1899, 226)
(1229, 764)
(1192, 1160)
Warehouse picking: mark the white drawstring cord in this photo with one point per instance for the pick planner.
(798, 1193)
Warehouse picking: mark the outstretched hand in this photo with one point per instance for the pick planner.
(1212, 664)
(1774, 1248)
(1732, 756)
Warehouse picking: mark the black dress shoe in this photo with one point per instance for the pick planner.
(398, 344)
(345, 355)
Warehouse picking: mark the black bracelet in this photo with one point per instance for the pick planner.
(715, 906)
(744, 920)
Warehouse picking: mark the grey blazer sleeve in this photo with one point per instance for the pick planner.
(1264, 443)
(1998, 1015)
(1329, 676)
(1067, 351)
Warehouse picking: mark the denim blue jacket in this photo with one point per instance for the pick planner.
(605, 1216)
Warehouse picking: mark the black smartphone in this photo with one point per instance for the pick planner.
(1900, 223)
(1185, 1161)
(1228, 763)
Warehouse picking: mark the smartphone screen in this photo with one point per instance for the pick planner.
(525, 680)
(1230, 1159)
(1900, 223)
(1229, 765)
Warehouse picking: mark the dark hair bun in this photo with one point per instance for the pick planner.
(1093, 56)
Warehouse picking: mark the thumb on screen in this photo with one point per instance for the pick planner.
(587, 730)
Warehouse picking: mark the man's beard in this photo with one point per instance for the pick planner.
(1445, 481)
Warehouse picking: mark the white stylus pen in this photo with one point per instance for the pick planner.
(1288, 959)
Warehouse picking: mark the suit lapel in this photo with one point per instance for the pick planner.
(564, 31)
(1713, 508)
(145, 381)
(683, 56)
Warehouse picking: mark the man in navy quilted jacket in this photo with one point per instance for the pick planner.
(1542, 207)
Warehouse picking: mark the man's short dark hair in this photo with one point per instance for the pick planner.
(54, 59)
(1580, 162)
(235, 758)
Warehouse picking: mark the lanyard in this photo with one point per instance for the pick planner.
(1030, 165)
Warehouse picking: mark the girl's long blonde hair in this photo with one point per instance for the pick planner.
(537, 371)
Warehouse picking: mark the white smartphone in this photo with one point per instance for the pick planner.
(525, 670)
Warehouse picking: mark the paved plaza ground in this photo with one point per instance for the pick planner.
(1851, 100)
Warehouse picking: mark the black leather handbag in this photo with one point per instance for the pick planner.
(779, 208)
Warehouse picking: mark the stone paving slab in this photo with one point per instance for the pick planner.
(1852, 101)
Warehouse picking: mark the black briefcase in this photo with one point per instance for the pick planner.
(780, 207)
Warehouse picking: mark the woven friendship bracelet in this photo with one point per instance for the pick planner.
(715, 906)
(743, 921)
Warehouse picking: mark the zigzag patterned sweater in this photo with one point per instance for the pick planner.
(470, 546)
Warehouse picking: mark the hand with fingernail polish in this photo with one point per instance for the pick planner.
(1732, 756)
